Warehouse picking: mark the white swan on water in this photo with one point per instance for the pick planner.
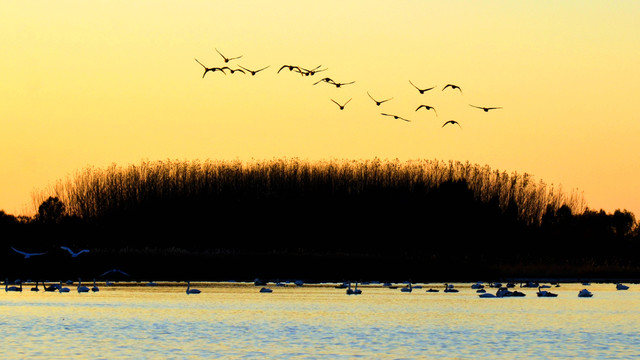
(190, 290)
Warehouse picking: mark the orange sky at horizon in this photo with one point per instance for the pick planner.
(88, 84)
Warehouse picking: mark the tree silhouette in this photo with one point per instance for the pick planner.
(51, 211)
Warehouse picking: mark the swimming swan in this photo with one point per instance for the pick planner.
(190, 290)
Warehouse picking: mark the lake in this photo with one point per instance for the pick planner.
(230, 320)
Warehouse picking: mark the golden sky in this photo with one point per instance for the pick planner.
(91, 83)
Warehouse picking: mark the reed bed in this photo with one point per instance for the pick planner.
(94, 192)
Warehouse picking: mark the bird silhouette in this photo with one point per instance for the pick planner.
(486, 109)
(73, 254)
(26, 254)
(190, 290)
(378, 102)
(428, 108)
(341, 106)
(422, 91)
(226, 59)
(114, 271)
(396, 117)
(253, 72)
(231, 70)
(453, 87)
(291, 68)
(307, 72)
(451, 122)
(326, 79)
(340, 84)
(207, 69)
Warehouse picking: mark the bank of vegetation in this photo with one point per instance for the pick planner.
(338, 219)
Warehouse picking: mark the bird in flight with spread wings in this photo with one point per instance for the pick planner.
(396, 117)
(226, 59)
(73, 253)
(26, 254)
(422, 91)
(253, 72)
(207, 69)
(486, 109)
(341, 106)
(428, 108)
(378, 102)
(452, 86)
(451, 122)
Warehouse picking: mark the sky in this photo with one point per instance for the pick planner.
(94, 83)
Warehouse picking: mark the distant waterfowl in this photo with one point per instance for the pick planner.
(81, 288)
(585, 293)
(449, 288)
(433, 290)
(226, 59)
(428, 108)
(253, 72)
(545, 293)
(620, 286)
(355, 291)
(231, 70)
(307, 72)
(451, 122)
(378, 102)
(504, 292)
(26, 254)
(265, 290)
(36, 288)
(152, 283)
(396, 117)
(114, 271)
(486, 109)
(62, 289)
(407, 288)
(487, 295)
(190, 290)
(422, 91)
(452, 87)
(341, 106)
(11, 288)
(337, 84)
(291, 68)
(74, 254)
(50, 288)
(207, 69)
(481, 291)
(477, 285)
(325, 79)
(95, 287)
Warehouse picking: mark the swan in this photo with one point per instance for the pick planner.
(50, 288)
(396, 117)
(419, 89)
(73, 253)
(449, 288)
(81, 288)
(433, 290)
(620, 286)
(35, 288)
(190, 290)
(585, 293)
(26, 254)
(340, 106)
(62, 289)
(407, 288)
(488, 295)
(355, 291)
(477, 285)
(11, 288)
(486, 109)
(451, 122)
(226, 59)
(378, 102)
(452, 86)
(545, 293)
(265, 290)
(95, 287)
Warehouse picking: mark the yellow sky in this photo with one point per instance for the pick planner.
(90, 83)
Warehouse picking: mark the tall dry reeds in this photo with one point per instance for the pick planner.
(94, 192)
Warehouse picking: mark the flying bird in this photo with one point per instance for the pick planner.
(428, 108)
(378, 102)
(73, 254)
(341, 106)
(226, 59)
(231, 70)
(453, 87)
(291, 68)
(206, 69)
(26, 254)
(396, 117)
(253, 72)
(422, 91)
(114, 271)
(340, 84)
(486, 109)
(327, 80)
(451, 122)
(307, 72)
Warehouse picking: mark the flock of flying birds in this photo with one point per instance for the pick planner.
(310, 72)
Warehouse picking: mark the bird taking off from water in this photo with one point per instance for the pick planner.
(422, 91)
(213, 69)
(452, 86)
(378, 102)
(253, 72)
(74, 254)
(341, 106)
(428, 108)
(451, 122)
(26, 254)
(486, 109)
(396, 117)
(226, 59)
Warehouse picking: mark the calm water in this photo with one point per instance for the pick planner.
(235, 321)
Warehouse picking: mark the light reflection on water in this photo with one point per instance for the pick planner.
(236, 321)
